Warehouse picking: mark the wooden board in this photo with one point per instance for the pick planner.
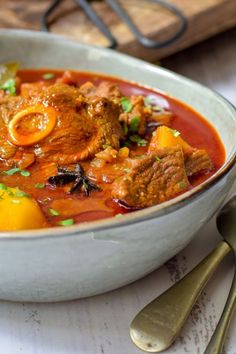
(205, 18)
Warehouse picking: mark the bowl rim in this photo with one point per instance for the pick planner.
(136, 216)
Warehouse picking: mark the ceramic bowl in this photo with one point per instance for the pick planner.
(67, 263)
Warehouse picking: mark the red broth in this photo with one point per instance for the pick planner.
(99, 205)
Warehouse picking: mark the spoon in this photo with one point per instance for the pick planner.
(155, 327)
(226, 226)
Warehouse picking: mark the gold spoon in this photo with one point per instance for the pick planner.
(155, 327)
(226, 225)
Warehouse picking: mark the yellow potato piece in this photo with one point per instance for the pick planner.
(166, 137)
(19, 211)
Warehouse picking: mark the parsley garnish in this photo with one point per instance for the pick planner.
(9, 86)
(21, 194)
(66, 222)
(134, 124)
(48, 76)
(25, 173)
(137, 139)
(158, 158)
(53, 212)
(126, 104)
(3, 187)
(175, 132)
(39, 185)
(14, 170)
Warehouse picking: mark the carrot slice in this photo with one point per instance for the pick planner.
(41, 121)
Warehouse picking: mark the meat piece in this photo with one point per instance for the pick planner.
(88, 89)
(67, 78)
(198, 161)
(104, 89)
(152, 179)
(8, 107)
(29, 90)
(83, 127)
(138, 111)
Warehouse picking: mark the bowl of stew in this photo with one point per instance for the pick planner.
(108, 166)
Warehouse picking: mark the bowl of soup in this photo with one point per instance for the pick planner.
(108, 166)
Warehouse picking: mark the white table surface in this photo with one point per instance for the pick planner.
(100, 325)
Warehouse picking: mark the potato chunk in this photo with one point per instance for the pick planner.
(18, 211)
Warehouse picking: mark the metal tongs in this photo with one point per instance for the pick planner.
(122, 14)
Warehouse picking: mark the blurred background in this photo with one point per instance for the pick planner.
(199, 36)
(108, 22)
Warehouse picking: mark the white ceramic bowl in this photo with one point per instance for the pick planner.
(66, 263)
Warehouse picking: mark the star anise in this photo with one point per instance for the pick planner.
(81, 183)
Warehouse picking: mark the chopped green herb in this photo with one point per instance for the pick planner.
(66, 222)
(20, 194)
(134, 124)
(125, 129)
(137, 139)
(158, 158)
(48, 76)
(25, 173)
(3, 186)
(182, 185)
(53, 212)
(39, 185)
(9, 86)
(175, 132)
(126, 104)
(12, 171)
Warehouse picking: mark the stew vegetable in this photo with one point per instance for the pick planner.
(76, 147)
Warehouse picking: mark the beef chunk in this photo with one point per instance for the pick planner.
(84, 125)
(198, 161)
(152, 179)
(104, 89)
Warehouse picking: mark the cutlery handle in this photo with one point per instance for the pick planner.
(156, 326)
(217, 340)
